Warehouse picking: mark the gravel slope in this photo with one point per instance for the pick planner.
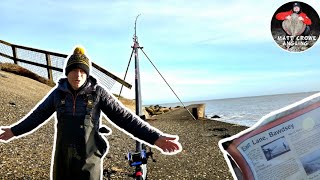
(29, 157)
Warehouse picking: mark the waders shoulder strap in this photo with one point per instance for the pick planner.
(89, 106)
(60, 106)
(90, 102)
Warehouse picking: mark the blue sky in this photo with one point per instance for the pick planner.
(205, 49)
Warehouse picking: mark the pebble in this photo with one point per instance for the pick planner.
(29, 157)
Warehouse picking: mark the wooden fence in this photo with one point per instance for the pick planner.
(49, 64)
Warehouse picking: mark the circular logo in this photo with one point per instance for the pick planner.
(295, 26)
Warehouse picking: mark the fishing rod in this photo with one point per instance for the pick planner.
(140, 157)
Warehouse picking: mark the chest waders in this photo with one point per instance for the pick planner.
(76, 153)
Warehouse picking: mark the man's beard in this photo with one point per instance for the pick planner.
(297, 12)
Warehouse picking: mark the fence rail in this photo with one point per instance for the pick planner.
(50, 64)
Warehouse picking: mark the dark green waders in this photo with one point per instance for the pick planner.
(79, 147)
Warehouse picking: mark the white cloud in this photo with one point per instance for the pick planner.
(210, 22)
(105, 28)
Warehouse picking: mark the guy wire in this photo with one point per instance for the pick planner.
(167, 83)
(125, 75)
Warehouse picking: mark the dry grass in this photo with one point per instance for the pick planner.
(16, 69)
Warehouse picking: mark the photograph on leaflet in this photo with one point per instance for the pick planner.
(275, 148)
(311, 162)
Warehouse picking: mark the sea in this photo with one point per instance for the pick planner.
(245, 110)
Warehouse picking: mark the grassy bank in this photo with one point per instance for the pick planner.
(16, 69)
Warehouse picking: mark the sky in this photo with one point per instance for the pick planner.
(205, 49)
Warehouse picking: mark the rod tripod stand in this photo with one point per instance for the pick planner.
(140, 157)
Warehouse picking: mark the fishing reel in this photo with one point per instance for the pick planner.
(139, 158)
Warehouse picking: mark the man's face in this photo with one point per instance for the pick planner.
(76, 78)
(296, 9)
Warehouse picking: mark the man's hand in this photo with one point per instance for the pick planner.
(7, 135)
(300, 18)
(169, 145)
(288, 17)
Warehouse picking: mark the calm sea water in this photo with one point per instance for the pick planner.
(247, 110)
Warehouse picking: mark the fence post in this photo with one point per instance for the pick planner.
(49, 69)
(14, 54)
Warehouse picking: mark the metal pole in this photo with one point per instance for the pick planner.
(137, 86)
(137, 78)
